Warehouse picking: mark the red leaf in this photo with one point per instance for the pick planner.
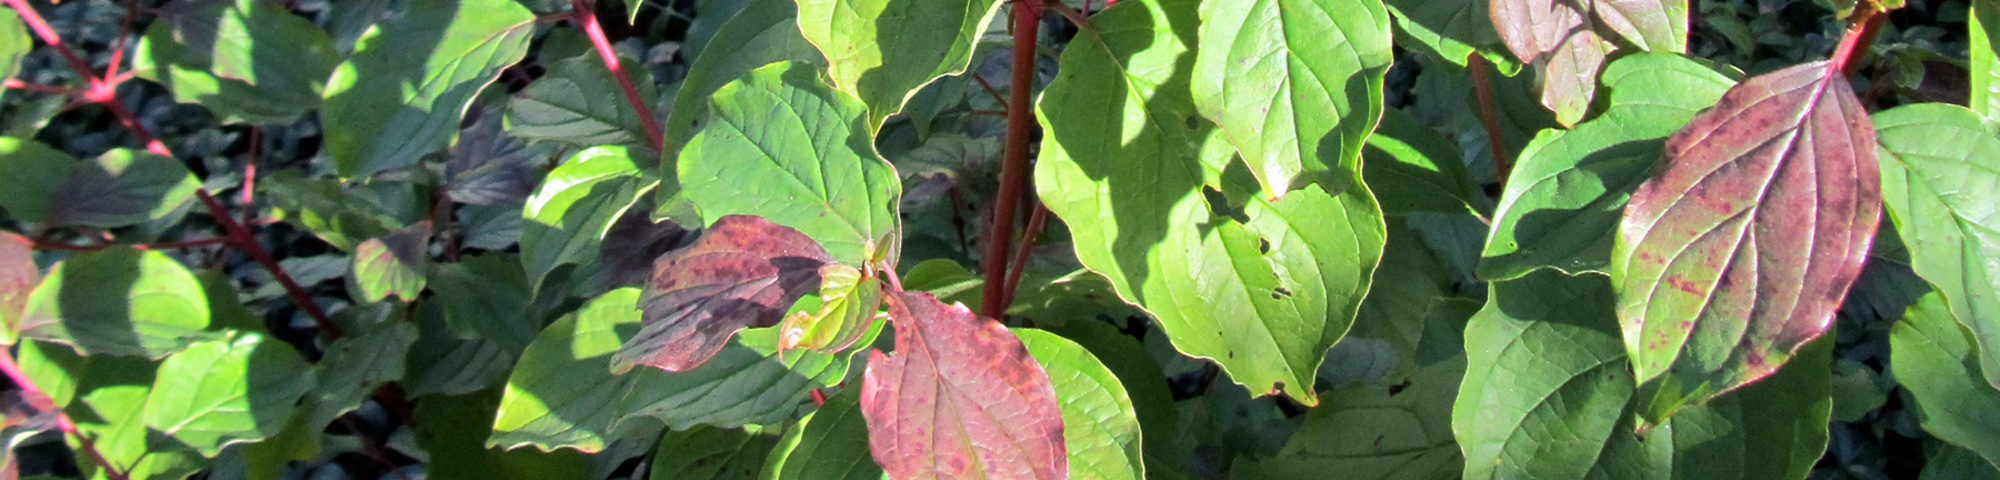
(743, 272)
(1741, 246)
(18, 277)
(960, 398)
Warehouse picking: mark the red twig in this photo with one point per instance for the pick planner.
(1860, 34)
(819, 399)
(584, 16)
(241, 238)
(28, 388)
(249, 192)
(48, 35)
(1036, 221)
(1489, 115)
(124, 30)
(990, 91)
(42, 89)
(1014, 169)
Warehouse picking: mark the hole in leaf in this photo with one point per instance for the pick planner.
(1193, 122)
(1218, 205)
(1263, 245)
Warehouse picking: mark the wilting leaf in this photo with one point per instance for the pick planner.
(1100, 428)
(883, 50)
(118, 301)
(244, 60)
(18, 278)
(1741, 246)
(743, 272)
(562, 393)
(1548, 394)
(764, 32)
(961, 398)
(1278, 282)
(782, 145)
(1568, 40)
(1561, 205)
(1939, 363)
(1984, 57)
(1375, 432)
(1940, 181)
(1296, 84)
(228, 391)
(421, 70)
(574, 105)
(573, 208)
(393, 265)
(828, 444)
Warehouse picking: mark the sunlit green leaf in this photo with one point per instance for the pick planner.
(570, 212)
(1940, 181)
(402, 94)
(1100, 428)
(118, 301)
(227, 391)
(1412, 168)
(828, 444)
(782, 145)
(1295, 84)
(882, 51)
(1984, 57)
(1261, 287)
(1939, 363)
(244, 60)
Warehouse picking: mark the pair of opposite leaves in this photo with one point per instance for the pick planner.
(956, 380)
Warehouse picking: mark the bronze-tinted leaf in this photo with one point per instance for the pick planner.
(960, 398)
(18, 277)
(1568, 41)
(1745, 240)
(743, 272)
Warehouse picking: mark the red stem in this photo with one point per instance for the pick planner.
(241, 238)
(48, 35)
(1036, 222)
(42, 89)
(28, 389)
(1489, 115)
(1860, 34)
(1014, 170)
(588, 19)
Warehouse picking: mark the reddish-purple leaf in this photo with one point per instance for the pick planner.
(18, 277)
(1567, 41)
(960, 398)
(1745, 240)
(743, 272)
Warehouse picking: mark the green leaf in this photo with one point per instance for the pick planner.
(246, 61)
(18, 277)
(353, 367)
(562, 393)
(709, 453)
(392, 265)
(1261, 287)
(450, 429)
(113, 416)
(227, 391)
(850, 300)
(570, 212)
(1375, 432)
(882, 51)
(1984, 57)
(1547, 389)
(1295, 84)
(574, 105)
(1720, 278)
(1414, 169)
(322, 206)
(1951, 462)
(14, 44)
(828, 444)
(421, 70)
(119, 188)
(783, 146)
(118, 301)
(1562, 202)
(1100, 429)
(1449, 31)
(443, 363)
(1938, 361)
(764, 32)
(1939, 165)
(486, 297)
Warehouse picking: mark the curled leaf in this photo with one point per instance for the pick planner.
(849, 300)
(743, 272)
(961, 398)
(1741, 246)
